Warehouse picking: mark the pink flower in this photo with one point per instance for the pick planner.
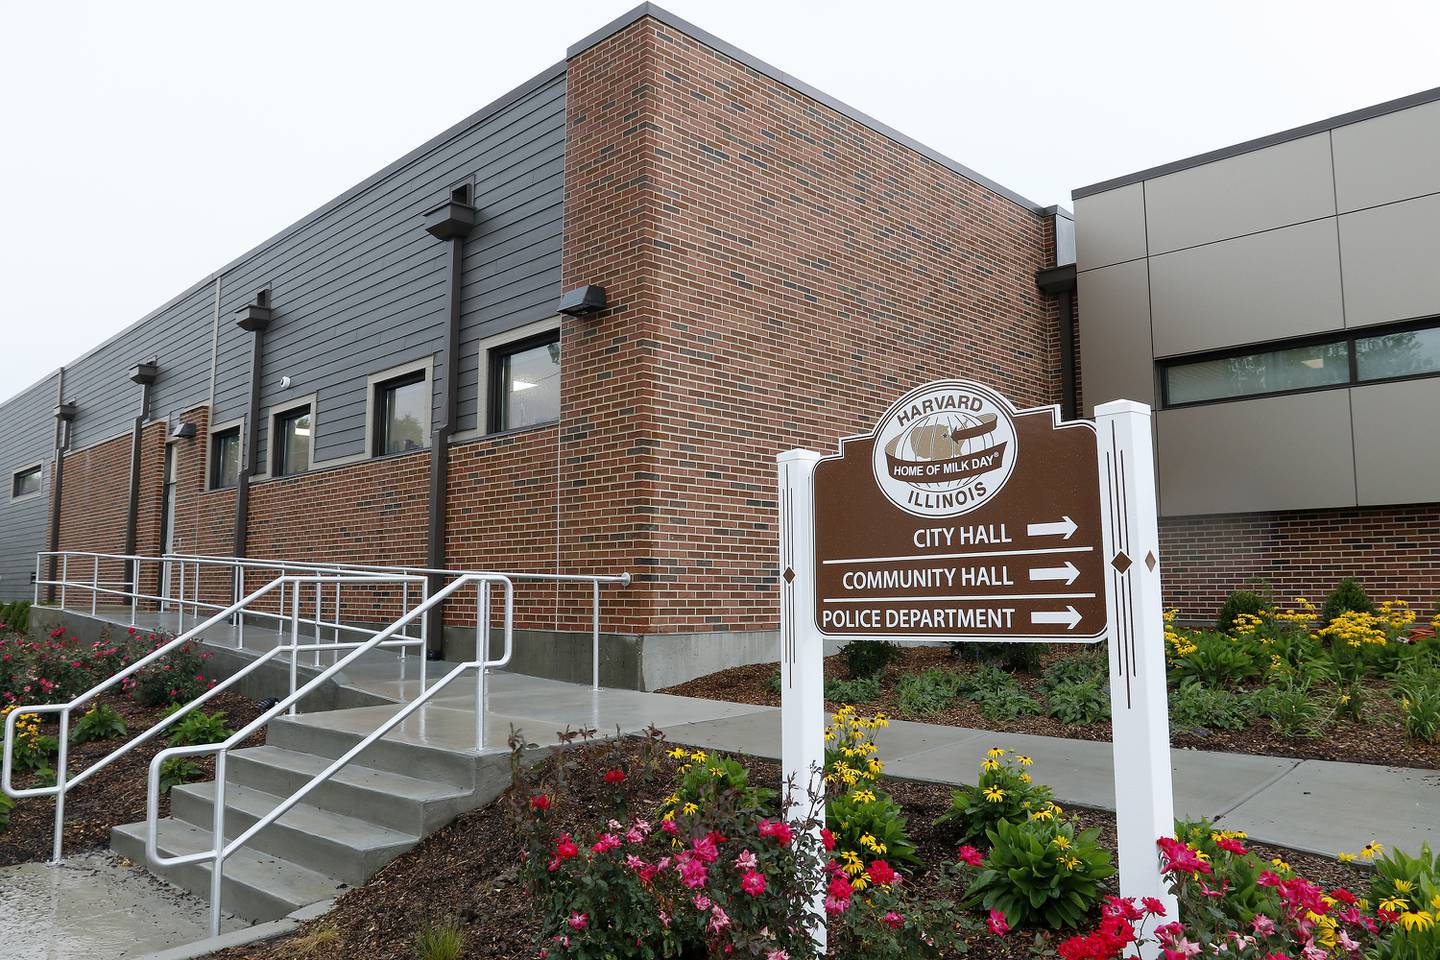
(693, 873)
(893, 920)
(664, 918)
(701, 901)
(777, 954)
(968, 854)
(1262, 925)
(753, 883)
(578, 921)
(779, 829)
(996, 923)
(746, 861)
(719, 920)
(669, 827)
(607, 841)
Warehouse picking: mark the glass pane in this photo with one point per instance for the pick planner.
(530, 386)
(27, 483)
(1293, 368)
(405, 410)
(227, 460)
(1398, 354)
(295, 437)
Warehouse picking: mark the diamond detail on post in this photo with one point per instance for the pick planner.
(1121, 562)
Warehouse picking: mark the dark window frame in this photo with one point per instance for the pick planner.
(378, 432)
(495, 406)
(37, 470)
(1347, 337)
(216, 439)
(278, 422)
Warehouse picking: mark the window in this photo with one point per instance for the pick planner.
(1408, 350)
(290, 442)
(225, 458)
(402, 414)
(25, 483)
(525, 382)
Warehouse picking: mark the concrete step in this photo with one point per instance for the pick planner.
(257, 886)
(347, 848)
(403, 751)
(406, 804)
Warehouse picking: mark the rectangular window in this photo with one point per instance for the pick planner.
(1406, 354)
(225, 458)
(403, 413)
(291, 442)
(25, 483)
(1253, 374)
(525, 382)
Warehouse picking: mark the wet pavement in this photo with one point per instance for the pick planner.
(94, 906)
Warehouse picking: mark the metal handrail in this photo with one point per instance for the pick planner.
(220, 850)
(63, 783)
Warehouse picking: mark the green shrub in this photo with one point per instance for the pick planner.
(1014, 656)
(175, 678)
(1419, 696)
(1241, 601)
(773, 683)
(199, 727)
(100, 722)
(869, 658)
(1347, 596)
(1004, 792)
(442, 942)
(857, 814)
(177, 770)
(859, 690)
(1291, 708)
(6, 805)
(1091, 665)
(1043, 872)
(1416, 880)
(1001, 705)
(1216, 658)
(703, 780)
(1079, 701)
(15, 615)
(926, 693)
(1193, 706)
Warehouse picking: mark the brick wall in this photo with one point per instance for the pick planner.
(782, 273)
(1392, 551)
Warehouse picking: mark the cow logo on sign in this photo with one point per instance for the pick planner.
(945, 449)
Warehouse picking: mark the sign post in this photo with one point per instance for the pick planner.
(961, 518)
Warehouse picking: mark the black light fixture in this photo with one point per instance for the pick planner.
(255, 317)
(182, 431)
(582, 301)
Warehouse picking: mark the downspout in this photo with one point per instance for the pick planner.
(1059, 281)
(451, 222)
(1067, 353)
(145, 375)
(254, 318)
(64, 414)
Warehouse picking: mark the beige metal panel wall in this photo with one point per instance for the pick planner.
(1388, 158)
(1397, 455)
(1115, 334)
(1267, 286)
(1271, 453)
(1274, 187)
(1389, 258)
(1110, 227)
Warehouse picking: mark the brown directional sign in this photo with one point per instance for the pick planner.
(961, 518)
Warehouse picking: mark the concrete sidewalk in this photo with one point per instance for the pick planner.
(1314, 806)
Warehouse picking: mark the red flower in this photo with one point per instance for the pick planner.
(827, 838)
(968, 854)
(893, 920)
(840, 887)
(996, 923)
(1231, 846)
(881, 873)
(615, 776)
(540, 803)
(779, 829)
(753, 883)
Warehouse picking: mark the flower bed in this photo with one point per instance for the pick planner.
(1280, 680)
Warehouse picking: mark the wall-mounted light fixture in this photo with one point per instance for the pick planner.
(182, 431)
(582, 301)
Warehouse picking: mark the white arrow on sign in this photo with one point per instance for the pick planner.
(1069, 616)
(1063, 527)
(1068, 573)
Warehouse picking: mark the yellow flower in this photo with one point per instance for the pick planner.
(690, 808)
(1394, 904)
(1042, 815)
(1023, 760)
(1061, 841)
(1025, 778)
(1344, 857)
(1372, 850)
(1423, 920)
(678, 753)
(994, 753)
(989, 765)
(1069, 862)
(994, 794)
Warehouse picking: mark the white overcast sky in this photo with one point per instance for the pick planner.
(145, 144)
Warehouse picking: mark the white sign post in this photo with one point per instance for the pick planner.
(1012, 464)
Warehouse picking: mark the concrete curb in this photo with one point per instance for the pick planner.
(245, 937)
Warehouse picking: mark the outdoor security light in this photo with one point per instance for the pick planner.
(183, 431)
(582, 301)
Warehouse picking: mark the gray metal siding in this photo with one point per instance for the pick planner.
(27, 436)
(357, 287)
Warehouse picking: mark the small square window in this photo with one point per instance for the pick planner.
(26, 483)
(225, 458)
(525, 382)
(403, 405)
(291, 442)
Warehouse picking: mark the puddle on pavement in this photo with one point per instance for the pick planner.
(95, 906)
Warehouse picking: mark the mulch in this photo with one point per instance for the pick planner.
(116, 795)
(1379, 739)
(468, 873)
